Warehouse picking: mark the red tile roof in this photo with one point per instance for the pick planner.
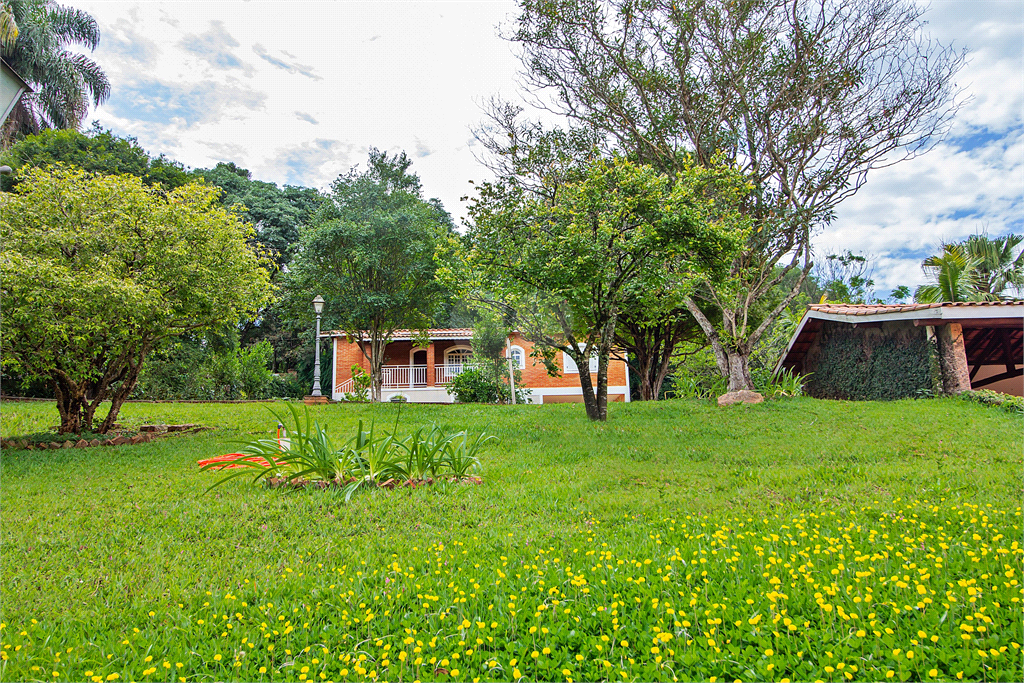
(435, 333)
(872, 309)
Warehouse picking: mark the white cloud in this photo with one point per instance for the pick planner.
(973, 181)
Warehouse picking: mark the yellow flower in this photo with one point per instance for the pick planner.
(216, 658)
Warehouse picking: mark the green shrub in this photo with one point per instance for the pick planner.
(361, 383)
(254, 376)
(987, 397)
(480, 385)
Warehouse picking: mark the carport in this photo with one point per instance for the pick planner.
(944, 347)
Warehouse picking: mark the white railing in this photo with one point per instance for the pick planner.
(399, 376)
(443, 374)
(394, 376)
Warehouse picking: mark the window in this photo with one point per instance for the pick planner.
(518, 356)
(570, 365)
(458, 356)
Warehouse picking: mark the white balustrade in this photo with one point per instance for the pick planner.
(443, 374)
(398, 376)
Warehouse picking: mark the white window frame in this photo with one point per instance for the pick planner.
(448, 352)
(569, 365)
(522, 355)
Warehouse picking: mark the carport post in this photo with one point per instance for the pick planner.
(955, 373)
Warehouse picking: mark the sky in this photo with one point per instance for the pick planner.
(297, 92)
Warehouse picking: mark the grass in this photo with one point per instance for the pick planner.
(111, 556)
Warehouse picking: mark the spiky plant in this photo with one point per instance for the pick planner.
(65, 83)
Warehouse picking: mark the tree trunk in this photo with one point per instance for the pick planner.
(652, 347)
(69, 405)
(739, 370)
(121, 394)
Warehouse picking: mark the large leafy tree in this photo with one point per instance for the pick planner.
(806, 98)
(98, 271)
(97, 151)
(276, 213)
(65, 82)
(567, 249)
(370, 253)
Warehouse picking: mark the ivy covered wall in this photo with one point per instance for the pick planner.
(883, 362)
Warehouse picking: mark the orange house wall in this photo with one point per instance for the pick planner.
(534, 375)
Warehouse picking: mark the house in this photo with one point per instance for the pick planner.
(876, 352)
(421, 374)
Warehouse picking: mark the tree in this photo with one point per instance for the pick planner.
(565, 255)
(370, 253)
(65, 82)
(954, 275)
(650, 329)
(99, 271)
(806, 98)
(96, 151)
(979, 268)
(999, 268)
(275, 213)
(847, 278)
(8, 27)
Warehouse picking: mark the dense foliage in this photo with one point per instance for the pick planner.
(979, 268)
(100, 271)
(853, 366)
(566, 255)
(97, 151)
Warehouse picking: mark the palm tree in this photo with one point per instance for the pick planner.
(955, 277)
(8, 26)
(999, 269)
(66, 83)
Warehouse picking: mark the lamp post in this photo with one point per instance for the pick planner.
(318, 306)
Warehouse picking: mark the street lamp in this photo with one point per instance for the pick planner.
(318, 306)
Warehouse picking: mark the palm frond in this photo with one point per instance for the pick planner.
(72, 25)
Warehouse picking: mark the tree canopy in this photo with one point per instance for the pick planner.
(96, 151)
(370, 254)
(979, 268)
(276, 213)
(566, 256)
(98, 271)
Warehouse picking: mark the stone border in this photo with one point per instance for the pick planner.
(147, 433)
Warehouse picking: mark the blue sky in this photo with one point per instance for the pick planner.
(298, 91)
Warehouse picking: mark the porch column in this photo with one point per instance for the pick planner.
(953, 358)
(430, 364)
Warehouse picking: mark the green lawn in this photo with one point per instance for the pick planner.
(795, 539)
